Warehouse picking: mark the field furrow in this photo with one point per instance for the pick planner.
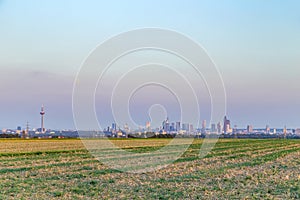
(234, 169)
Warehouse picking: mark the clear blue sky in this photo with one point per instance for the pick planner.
(255, 44)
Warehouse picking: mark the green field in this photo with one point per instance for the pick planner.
(234, 169)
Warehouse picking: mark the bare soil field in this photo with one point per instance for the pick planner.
(234, 169)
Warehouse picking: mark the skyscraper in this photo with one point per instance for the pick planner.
(113, 127)
(234, 129)
(226, 126)
(148, 125)
(178, 128)
(185, 127)
(172, 127)
(219, 128)
(213, 128)
(126, 128)
(249, 129)
(284, 131)
(166, 125)
(191, 128)
(267, 129)
(203, 129)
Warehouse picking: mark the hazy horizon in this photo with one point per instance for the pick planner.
(255, 44)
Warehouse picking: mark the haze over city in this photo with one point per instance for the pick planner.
(254, 45)
(149, 99)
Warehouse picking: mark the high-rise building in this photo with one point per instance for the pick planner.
(191, 128)
(228, 129)
(249, 129)
(226, 125)
(166, 125)
(172, 127)
(178, 127)
(235, 129)
(113, 127)
(185, 126)
(213, 128)
(126, 128)
(267, 129)
(284, 131)
(203, 129)
(148, 124)
(219, 128)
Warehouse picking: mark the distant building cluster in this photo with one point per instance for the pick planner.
(178, 128)
(40, 132)
(167, 128)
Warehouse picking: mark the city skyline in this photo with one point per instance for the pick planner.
(166, 125)
(254, 45)
(150, 99)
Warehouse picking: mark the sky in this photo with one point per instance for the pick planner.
(255, 44)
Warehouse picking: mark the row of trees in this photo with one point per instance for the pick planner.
(5, 135)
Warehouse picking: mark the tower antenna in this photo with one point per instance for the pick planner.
(27, 127)
(42, 113)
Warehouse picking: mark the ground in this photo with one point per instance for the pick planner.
(234, 169)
